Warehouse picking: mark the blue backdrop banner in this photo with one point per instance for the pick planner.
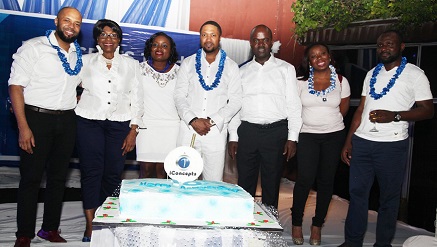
(16, 27)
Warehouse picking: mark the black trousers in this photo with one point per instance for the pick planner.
(54, 142)
(261, 148)
(99, 145)
(317, 160)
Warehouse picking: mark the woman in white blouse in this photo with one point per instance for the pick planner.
(161, 120)
(109, 114)
(325, 101)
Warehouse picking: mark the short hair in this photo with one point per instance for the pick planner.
(67, 7)
(102, 23)
(303, 70)
(269, 31)
(214, 24)
(398, 33)
(174, 56)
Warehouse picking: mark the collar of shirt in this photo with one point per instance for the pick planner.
(54, 41)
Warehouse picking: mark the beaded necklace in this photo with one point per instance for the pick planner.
(218, 76)
(390, 83)
(63, 59)
(324, 92)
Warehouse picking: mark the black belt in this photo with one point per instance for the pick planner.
(43, 110)
(268, 126)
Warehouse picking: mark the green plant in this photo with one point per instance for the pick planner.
(338, 14)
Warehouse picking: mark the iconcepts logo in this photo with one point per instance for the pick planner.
(183, 164)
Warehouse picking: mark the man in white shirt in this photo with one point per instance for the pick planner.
(377, 143)
(42, 87)
(270, 118)
(207, 95)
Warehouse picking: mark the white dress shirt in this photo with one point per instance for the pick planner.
(38, 69)
(269, 95)
(220, 104)
(115, 94)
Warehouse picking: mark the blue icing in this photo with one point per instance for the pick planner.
(136, 190)
(165, 190)
(213, 202)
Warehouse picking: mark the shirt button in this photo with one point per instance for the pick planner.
(109, 81)
(109, 92)
(109, 103)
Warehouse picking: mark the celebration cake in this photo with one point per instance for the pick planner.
(195, 200)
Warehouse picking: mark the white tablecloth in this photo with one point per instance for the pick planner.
(110, 230)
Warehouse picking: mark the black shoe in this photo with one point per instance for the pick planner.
(345, 245)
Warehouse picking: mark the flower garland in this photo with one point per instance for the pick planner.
(390, 84)
(150, 62)
(219, 71)
(324, 92)
(64, 61)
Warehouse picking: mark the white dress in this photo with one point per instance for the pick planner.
(161, 120)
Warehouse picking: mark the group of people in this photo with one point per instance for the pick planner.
(270, 112)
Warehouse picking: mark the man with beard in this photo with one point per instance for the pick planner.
(42, 87)
(377, 142)
(269, 121)
(207, 95)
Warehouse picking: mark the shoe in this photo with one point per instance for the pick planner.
(296, 235)
(22, 242)
(316, 235)
(52, 236)
(86, 239)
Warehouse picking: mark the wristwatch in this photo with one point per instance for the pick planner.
(211, 121)
(397, 117)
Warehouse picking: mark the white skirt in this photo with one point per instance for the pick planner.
(154, 143)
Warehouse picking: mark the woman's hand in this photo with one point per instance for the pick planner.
(129, 141)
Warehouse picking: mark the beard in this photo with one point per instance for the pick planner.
(64, 38)
(390, 59)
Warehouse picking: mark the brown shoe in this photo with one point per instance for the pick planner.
(52, 236)
(297, 235)
(316, 235)
(22, 242)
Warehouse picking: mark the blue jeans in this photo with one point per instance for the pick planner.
(386, 161)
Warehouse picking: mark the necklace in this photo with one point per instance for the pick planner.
(107, 61)
(219, 71)
(63, 59)
(324, 92)
(150, 62)
(390, 83)
(161, 78)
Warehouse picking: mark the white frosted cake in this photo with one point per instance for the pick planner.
(196, 200)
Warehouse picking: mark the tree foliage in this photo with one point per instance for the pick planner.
(338, 14)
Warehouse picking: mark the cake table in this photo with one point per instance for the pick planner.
(109, 229)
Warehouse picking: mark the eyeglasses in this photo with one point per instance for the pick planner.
(110, 35)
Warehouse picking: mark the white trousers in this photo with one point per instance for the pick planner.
(212, 148)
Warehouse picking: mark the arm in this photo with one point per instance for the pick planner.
(346, 152)
(344, 106)
(423, 110)
(294, 113)
(137, 110)
(25, 139)
(181, 93)
(233, 135)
